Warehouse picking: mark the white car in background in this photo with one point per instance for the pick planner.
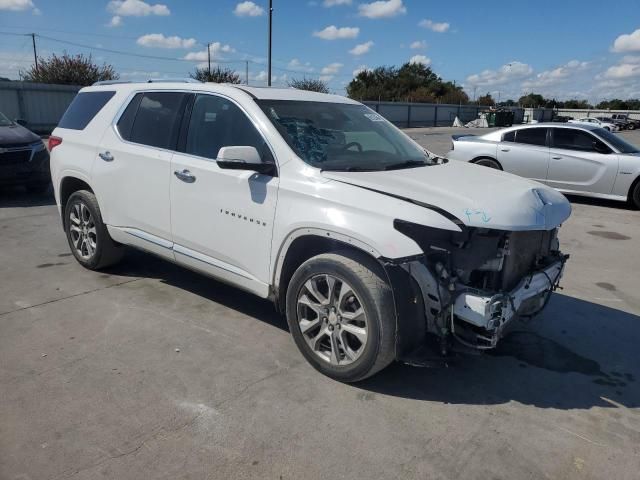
(575, 158)
(612, 127)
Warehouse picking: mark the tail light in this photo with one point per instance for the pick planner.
(54, 142)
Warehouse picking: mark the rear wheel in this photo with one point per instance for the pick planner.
(634, 196)
(631, 126)
(88, 237)
(341, 315)
(488, 162)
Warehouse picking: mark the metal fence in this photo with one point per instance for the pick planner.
(576, 113)
(408, 115)
(41, 105)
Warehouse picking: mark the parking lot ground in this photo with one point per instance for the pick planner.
(149, 371)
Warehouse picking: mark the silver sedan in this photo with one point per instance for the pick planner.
(577, 159)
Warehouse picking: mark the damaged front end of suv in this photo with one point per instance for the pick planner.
(474, 283)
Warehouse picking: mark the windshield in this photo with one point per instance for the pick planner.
(339, 136)
(616, 141)
(4, 121)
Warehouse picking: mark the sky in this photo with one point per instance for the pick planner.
(588, 49)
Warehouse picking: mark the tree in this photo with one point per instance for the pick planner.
(532, 100)
(69, 70)
(217, 75)
(486, 100)
(309, 84)
(414, 82)
(578, 104)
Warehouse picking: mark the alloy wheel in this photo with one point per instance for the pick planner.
(82, 229)
(332, 319)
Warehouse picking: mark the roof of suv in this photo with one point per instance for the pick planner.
(262, 93)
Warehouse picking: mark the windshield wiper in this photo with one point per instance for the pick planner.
(349, 169)
(407, 164)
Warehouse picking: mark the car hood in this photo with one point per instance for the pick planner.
(476, 196)
(16, 134)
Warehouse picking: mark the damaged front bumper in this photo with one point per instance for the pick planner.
(487, 315)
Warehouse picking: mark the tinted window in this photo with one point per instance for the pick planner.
(616, 140)
(125, 123)
(571, 139)
(509, 137)
(217, 122)
(532, 136)
(84, 107)
(157, 120)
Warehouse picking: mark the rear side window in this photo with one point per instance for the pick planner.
(156, 121)
(84, 107)
(532, 136)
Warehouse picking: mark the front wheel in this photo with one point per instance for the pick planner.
(634, 196)
(341, 315)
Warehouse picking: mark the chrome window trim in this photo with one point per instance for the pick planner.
(133, 93)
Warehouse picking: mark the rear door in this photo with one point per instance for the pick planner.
(133, 171)
(525, 152)
(581, 162)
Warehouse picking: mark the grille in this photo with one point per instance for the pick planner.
(11, 158)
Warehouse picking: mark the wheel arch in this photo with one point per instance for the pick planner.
(487, 157)
(68, 185)
(306, 243)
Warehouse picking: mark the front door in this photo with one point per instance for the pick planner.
(222, 220)
(580, 162)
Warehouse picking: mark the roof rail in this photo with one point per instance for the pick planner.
(151, 80)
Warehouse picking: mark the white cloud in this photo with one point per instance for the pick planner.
(624, 70)
(555, 76)
(362, 48)
(627, 42)
(334, 33)
(360, 69)
(420, 59)
(116, 21)
(439, 27)
(248, 9)
(158, 40)
(16, 5)
(326, 78)
(217, 49)
(296, 64)
(505, 74)
(334, 3)
(136, 8)
(331, 69)
(418, 45)
(382, 9)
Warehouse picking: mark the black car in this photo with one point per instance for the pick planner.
(24, 159)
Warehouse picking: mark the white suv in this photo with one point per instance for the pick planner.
(373, 247)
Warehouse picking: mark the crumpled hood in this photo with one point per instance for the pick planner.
(477, 196)
(16, 134)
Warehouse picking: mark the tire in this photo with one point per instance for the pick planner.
(631, 127)
(634, 196)
(366, 289)
(488, 162)
(40, 187)
(87, 233)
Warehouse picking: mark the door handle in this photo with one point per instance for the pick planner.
(185, 175)
(557, 158)
(106, 156)
(505, 149)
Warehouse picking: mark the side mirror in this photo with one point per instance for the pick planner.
(21, 122)
(243, 158)
(601, 147)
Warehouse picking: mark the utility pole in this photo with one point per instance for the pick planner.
(35, 54)
(246, 71)
(209, 58)
(269, 56)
